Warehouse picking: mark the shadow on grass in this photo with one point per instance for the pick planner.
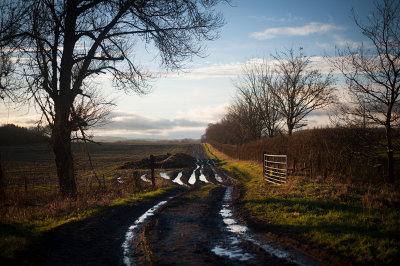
(344, 220)
(15, 239)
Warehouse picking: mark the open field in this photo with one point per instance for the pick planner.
(357, 221)
(33, 204)
(35, 163)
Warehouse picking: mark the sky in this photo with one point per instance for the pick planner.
(182, 104)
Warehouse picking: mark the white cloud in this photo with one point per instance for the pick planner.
(310, 28)
(341, 42)
(207, 114)
(288, 18)
(234, 69)
(213, 71)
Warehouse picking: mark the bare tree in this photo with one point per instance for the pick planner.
(373, 74)
(10, 22)
(244, 113)
(255, 86)
(299, 88)
(70, 42)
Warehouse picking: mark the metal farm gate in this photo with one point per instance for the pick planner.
(275, 168)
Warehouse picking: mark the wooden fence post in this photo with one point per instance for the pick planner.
(152, 171)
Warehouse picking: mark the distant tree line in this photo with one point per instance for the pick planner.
(11, 134)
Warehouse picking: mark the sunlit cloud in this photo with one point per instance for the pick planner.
(207, 114)
(308, 29)
(135, 122)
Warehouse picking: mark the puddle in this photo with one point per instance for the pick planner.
(203, 177)
(216, 175)
(178, 179)
(143, 177)
(131, 231)
(232, 253)
(164, 175)
(229, 248)
(237, 233)
(192, 179)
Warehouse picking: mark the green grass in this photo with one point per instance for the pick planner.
(202, 193)
(17, 237)
(359, 222)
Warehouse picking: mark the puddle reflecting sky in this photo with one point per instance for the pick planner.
(203, 177)
(164, 175)
(143, 177)
(178, 179)
(192, 179)
(129, 235)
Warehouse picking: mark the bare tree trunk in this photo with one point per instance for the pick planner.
(61, 138)
(290, 128)
(390, 158)
(2, 186)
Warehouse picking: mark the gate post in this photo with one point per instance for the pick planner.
(264, 163)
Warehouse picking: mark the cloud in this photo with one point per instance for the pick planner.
(340, 42)
(288, 18)
(214, 71)
(123, 121)
(208, 114)
(188, 123)
(232, 70)
(308, 29)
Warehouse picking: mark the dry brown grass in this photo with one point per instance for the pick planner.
(32, 190)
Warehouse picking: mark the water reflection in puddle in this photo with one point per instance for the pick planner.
(133, 228)
(164, 175)
(203, 177)
(232, 253)
(192, 179)
(178, 179)
(216, 175)
(229, 248)
(237, 233)
(143, 177)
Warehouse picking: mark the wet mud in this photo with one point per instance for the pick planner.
(191, 231)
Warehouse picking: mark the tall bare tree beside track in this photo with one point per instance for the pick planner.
(69, 42)
(300, 88)
(373, 74)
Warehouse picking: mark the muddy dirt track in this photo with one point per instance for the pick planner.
(192, 225)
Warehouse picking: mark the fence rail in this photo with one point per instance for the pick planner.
(275, 168)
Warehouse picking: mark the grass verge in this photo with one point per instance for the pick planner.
(20, 236)
(360, 222)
